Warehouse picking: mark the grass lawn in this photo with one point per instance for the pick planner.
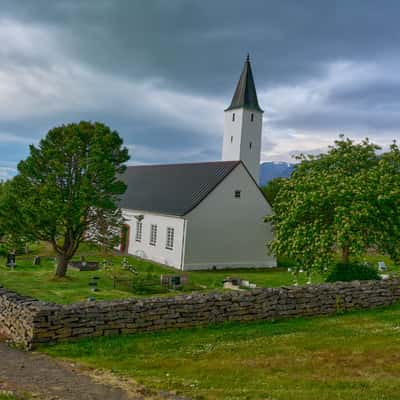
(39, 281)
(351, 356)
(9, 396)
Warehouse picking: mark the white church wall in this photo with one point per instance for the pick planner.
(228, 232)
(242, 138)
(157, 252)
(250, 149)
(232, 135)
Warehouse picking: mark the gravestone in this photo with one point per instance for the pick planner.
(174, 281)
(382, 266)
(84, 265)
(11, 263)
(36, 260)
(93, 284)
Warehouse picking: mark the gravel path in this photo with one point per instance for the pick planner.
(50, 379)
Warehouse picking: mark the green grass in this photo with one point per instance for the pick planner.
(9, 396)
(39, 281)
(352, 356)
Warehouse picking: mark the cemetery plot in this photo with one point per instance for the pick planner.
(126, 276)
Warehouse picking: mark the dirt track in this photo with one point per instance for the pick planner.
(46, 378)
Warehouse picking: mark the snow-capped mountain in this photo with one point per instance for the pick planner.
(272, 170)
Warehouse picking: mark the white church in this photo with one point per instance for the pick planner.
(207, 215)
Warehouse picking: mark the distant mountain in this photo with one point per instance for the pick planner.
(272, 170)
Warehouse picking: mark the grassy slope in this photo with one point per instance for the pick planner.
(353, 356)
(39, 282)
(6, 396)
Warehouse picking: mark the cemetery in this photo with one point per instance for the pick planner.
(120, 276)
(99, 274)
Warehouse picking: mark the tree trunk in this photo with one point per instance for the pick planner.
(62, 265)
(345, 255)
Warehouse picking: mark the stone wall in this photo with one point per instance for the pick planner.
(17, 316)
(30, 322)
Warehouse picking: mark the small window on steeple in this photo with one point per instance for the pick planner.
(233, 117)
(231, 139)
(250, 144)
(252, 117)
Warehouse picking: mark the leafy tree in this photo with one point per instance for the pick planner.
(272, 188)
(342, 201)
(67, 189)
(14, 238)
(385, 179)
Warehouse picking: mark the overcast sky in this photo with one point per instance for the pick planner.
(162, 72)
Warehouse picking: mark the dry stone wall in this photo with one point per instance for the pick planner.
(17, 317)
(29, 322)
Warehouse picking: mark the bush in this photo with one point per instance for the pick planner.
(353, 272)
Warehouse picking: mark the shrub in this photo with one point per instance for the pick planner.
(352, 272)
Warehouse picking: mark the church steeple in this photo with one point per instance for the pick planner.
(245, 95)
(243, 124)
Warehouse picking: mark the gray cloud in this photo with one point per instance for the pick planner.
(161, 72)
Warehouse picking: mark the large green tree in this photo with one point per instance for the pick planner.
(345, 200)
(67, 190)
(385, 180)
(271, 189)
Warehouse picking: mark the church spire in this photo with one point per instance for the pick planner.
(245, 95)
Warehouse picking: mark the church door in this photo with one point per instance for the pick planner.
(125, 233)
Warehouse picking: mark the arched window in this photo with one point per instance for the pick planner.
(252, 117)
(233, 117)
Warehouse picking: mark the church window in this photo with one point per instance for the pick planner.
(170, 238)
(252, 117)
(153, 235)
(237, 194)
(233, 117)
(250, 145)
(231, 139)
(139, 229)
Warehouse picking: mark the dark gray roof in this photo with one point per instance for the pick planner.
(173, 189)
(245, 95)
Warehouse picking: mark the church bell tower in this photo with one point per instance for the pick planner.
(243, 124)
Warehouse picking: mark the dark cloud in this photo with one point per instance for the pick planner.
(160, 72)
(200, 44)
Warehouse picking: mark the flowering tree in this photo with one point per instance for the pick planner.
(346, 200)
(385, 179)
